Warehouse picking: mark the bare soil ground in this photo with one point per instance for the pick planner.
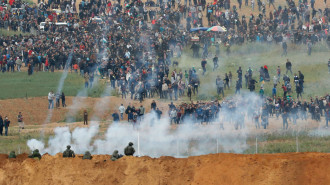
(289, 168)
(35, 110)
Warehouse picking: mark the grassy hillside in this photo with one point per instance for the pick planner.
(314, 67)
(20, 85)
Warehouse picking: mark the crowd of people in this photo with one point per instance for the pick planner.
(133, 43)
(235, 110)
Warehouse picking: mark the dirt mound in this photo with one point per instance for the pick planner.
(289, 168)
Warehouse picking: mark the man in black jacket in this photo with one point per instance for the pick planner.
(1, 125)
(288, 66)
(6, 125)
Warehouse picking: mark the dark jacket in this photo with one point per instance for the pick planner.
(6, 123)
(129, 150)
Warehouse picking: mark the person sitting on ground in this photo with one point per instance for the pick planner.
(115, 155)
(129, 150)
(68, 152)
(12, 155)
(87, 155)
(35, 154)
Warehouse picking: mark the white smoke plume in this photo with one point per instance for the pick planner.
(102, 105)
(77, 102)
(154, 137)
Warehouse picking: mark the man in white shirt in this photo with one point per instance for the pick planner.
(51, 100)
(121, 111)
(173, 115)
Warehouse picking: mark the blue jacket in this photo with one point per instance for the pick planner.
(274, 90)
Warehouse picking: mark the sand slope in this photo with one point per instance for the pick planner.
(290, 168)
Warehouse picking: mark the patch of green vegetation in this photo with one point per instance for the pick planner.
(20, 85)
(287, 141)
(5, 32)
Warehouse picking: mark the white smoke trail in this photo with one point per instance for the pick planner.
(59, 90)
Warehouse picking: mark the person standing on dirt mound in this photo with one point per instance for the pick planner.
(129, 150)
(68, 152)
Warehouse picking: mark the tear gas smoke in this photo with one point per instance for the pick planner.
(77, 103)
(59, 88)
(157, 137)
(102, 105)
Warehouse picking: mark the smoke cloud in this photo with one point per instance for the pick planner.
(154, 137)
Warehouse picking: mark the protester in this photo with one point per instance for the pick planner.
(121, 111)
(288, 66)
(63, 99)
(1, 125)
(115, 117)
(6, 124)
(85, 114)
(51, 97)
(20, 121)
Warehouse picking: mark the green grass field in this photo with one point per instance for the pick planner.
(20, 85)
(314, 67)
